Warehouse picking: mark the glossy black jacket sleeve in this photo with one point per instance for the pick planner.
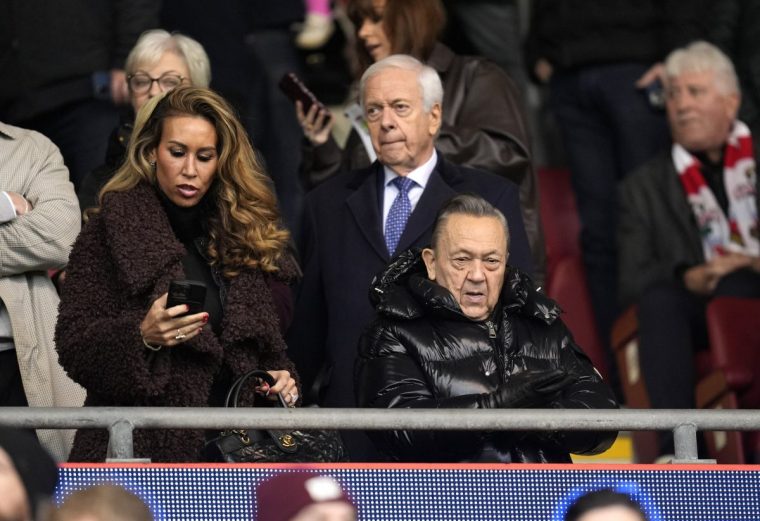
(387, 376)
(588, 392)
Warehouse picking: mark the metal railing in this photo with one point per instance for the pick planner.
(121, 421)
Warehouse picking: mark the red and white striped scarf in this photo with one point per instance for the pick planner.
(737, 232)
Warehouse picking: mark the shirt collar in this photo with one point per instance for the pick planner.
(419, 175)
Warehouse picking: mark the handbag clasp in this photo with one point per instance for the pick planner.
(287, 441)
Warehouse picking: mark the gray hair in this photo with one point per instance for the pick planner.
(152, 45)
(701, 56)
(466, 204)
(428, 80)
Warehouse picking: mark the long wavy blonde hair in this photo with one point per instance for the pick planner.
(246, 229)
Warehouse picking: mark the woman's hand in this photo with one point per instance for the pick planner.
(163, 327)
(284, 384)
(316, 123)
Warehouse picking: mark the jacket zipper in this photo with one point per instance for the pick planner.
(491, 329)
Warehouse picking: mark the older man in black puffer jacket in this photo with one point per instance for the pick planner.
(457, 328)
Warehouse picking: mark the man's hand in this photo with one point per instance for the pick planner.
(654, 73)
(527, 389)
(703, 279)
(20, 204)
(119, 90)
(543, 70)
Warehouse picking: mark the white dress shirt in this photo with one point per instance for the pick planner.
(419, 175)
(7, 210)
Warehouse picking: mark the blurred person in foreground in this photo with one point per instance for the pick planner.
(483, 125)
(689, 224)
(28, 476)
(159, 62)
(605, 505)
(190, 202)
(104, 502)
(457, 327)
(39, 221)
(358, 221)
(302, 496)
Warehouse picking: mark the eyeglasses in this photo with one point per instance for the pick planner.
(141, 83)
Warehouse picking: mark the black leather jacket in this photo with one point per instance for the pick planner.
(421, 351)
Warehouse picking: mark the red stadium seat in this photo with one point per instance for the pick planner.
(724, 372)
(735, 357)
(565, 273)
(625, 343)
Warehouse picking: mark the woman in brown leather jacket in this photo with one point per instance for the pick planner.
(483, 124)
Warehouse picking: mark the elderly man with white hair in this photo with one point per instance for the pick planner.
(356, 222)
(456, 327)
(688, 228)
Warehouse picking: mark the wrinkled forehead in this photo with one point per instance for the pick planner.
(474, 234)
(393, 83)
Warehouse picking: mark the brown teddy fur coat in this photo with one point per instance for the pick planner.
(121, 263)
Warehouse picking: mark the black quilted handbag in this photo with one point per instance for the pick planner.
(270, 445)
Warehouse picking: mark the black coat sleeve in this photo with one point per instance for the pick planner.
(307, 335)
(587, 392)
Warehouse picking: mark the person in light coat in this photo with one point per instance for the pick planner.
(39, 220)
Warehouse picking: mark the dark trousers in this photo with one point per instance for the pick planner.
(276, 131)
(81, 131)
(11, 389)
(672, 328)
(609, 129)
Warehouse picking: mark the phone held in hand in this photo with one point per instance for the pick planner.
(656, 94)
(295, 89)
(101, 85)
(190, 292)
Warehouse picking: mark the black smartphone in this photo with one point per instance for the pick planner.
(656, 94)
(190, 292)
(295, 89)
(101, 85)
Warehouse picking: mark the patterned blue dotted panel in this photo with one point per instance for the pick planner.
(506, 493)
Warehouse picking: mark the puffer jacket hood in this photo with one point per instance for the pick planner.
(403, 291)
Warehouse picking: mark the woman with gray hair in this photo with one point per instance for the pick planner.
(159, 62)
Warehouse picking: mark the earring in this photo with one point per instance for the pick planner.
(152, 164)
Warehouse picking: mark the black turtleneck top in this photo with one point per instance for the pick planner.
(190, 227)
(714, 177)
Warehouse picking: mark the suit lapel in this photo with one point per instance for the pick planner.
(436, 192)
(364, 206)
(682, 213)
